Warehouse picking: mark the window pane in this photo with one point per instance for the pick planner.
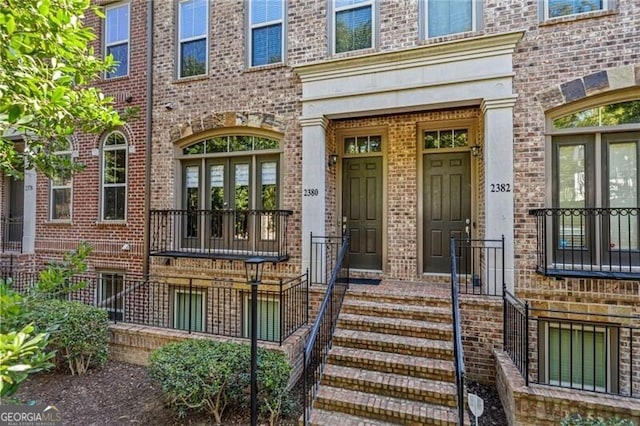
(460, 137)
(623, 192)
(431, 140)
(196, 148)
(350, 146)
(353, 29)
(110, 295)
(265, 11)
(449, 17)
(241, 143)
(193, 19)
(61, 204)
(217, 145)
(193, 58)
(375, 143)
(117, 24)
(114, 202)
(571, 194)
(268, 319)
(120, 53)
(189, 313)
(344, 3)
(115, 166)
(267, 45)
(570, 7)
(264, 143)
(115, 138)
(577, 355)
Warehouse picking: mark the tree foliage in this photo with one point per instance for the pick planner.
(47, 67)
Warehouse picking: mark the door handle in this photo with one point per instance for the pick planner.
(467, 228)
(344, 225)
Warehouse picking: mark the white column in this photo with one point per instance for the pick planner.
(29, 212)
(498, 169)
(314, 166)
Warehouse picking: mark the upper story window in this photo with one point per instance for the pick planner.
(192, 44)
(114, 177)
(354, 25)
(442, 18)
(556, 8)
(117, 38)
(61, 192)
(266, 18)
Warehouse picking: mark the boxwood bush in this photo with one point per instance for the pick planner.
(81, 337)
(205, 375)
(578, 420)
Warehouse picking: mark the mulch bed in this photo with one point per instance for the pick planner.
(122, 394)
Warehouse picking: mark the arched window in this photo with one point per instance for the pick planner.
(114, 177)
(61, 191)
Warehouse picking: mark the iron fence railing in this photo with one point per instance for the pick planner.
(319, 343)
(588, 351)
(588, 242)
(480, 266)
(323, 257)
(12, 228)
(458, 354)
(214, 306)
(222, 234)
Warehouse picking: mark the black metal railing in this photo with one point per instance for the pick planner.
(11, 234)
(588, 351)
(221, 234)
(458, 354)
(319, 343)
(323, 256)
(588, 242)
(214, 306)
(480, 266)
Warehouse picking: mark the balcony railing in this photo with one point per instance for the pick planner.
(11, 234)
(579, 350)
(216, 306)
(588, 242)
(220, 234)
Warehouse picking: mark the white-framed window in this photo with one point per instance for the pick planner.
(111, 294)
(268, 318)
(114, 177)
(189, 309)
(266, 35)
(354, 25)
(61, 192)
(558, 8)
(193, 30)
(116, 38)
(441, 18)
(579, 355)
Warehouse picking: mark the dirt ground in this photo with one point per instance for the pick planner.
(122, 394)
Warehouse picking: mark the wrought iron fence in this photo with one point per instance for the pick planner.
(323, 257)
(580, 350)
(480, 266)
(12, 228)
(222, 234)
(217, 307)
(458, 353)
(588, 242)
(319, 343)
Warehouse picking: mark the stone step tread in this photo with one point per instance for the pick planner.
(401, 306)
(376, 379)
(321, 417)
(397, 323)
(389, 408)
(391, 340)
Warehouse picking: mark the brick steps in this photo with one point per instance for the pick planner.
(389, 384)
(391, 362)
(384, 408)
(400, 326)
(385, 362)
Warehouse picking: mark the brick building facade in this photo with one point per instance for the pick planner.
(363, 138)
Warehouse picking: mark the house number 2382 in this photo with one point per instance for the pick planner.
(500, 187)
(310, 192)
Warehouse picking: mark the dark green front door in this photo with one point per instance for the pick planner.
(447, 206)
(362, 211)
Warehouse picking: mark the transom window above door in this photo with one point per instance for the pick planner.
(447, 138)
(362, 144)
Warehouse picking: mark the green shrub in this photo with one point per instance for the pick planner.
(82, 336)
(211, 376)
(578, 420)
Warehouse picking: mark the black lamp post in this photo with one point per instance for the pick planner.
(253, 267)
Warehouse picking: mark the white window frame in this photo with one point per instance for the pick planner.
(126, 41)
(543, 5)
(589, 328)
(333, 23)
(99, 296)
(176, 308)
(476, 19)
(104, 185)
(252, 27)
(189, 39)
(246, 323)
(53, 186)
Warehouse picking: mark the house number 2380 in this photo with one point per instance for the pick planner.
(500, 187)
(310, 192)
